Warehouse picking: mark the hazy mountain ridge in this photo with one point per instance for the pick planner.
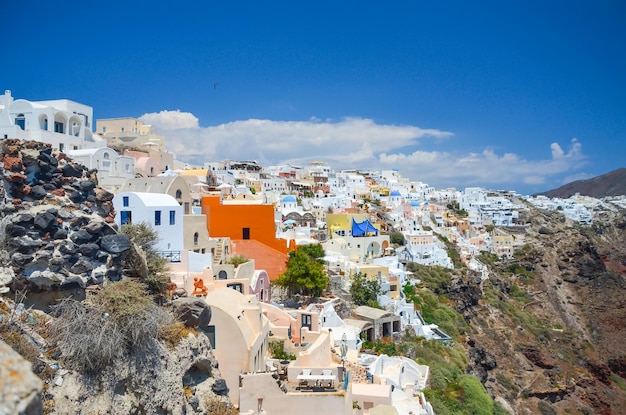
(609, 184)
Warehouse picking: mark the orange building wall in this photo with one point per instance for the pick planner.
(230, 221)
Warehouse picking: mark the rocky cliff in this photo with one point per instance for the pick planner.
(548, 327)
(58, 238)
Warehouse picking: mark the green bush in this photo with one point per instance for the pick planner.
(142, 261)
(237, 260)
(277, 350)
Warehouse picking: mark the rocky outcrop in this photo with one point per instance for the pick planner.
(19, 387)
(192, 311)
(178, 381)
(57, 224)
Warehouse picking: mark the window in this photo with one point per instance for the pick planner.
(104, 129)
(210, 332)
(122, 129)
(157, 218)
(58, 127)
(172, 217)
(237, 287)
(179, 194)
(245, 233)
(61, 146)
(20, 121)
(126, 217)
(195, 238)
(125, 201)
(222, 275)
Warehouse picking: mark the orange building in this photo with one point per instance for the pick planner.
(246, 222)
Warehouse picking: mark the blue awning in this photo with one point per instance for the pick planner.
(363, 228)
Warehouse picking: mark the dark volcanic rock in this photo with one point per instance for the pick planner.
(44, 220)
(115, 244)
(194, 312)
(81, 237)
(38, 192)
(70, 170)
(81, 266)
(89, 250)
(25, 244)
(94, 227)
(12, 230)
(220, 387)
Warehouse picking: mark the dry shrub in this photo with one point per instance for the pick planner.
(215, 406)
(14, 337)
(172, 333)
(121, 317)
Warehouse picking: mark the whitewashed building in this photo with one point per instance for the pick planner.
(161, 211)
(113, 169)
(64, 124)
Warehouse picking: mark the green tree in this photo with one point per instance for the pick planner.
(142, 260)
(314, 251)
(364, 291)
(305, 271)
(237, 260)
(396, 238)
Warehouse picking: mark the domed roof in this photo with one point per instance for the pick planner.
(395, 193)
(415, 203)
(289, 199)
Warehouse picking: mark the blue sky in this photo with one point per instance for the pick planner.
(508, 95)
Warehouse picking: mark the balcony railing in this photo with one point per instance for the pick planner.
(171, 256)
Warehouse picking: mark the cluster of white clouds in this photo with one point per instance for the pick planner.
(359, 143)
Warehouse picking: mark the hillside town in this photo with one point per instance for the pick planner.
(369, 224)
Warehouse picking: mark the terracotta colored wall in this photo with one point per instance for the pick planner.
(229, 221)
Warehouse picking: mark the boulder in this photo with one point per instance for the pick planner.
(89, 250)
(219, 387)
(13, 231)
(82, 266)
(7, 275)
(115, 244)
(94, 227)
(38, 192)
(194, 312)
(81, 237)
(70, 170)
(44, 220)
(20, 388)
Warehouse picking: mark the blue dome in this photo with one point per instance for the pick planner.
(415, 203)
(395, 193)
(289, 199)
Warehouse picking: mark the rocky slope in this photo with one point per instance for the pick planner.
(548, 327)
(57, 239)
(179, 381)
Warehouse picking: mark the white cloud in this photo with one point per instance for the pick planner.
(170, 120)
(487, 169)
(363, 144)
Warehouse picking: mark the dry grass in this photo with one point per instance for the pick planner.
(92, 333)
(172, 333)
(215, 406)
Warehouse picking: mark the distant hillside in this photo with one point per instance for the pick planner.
(609, 184)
